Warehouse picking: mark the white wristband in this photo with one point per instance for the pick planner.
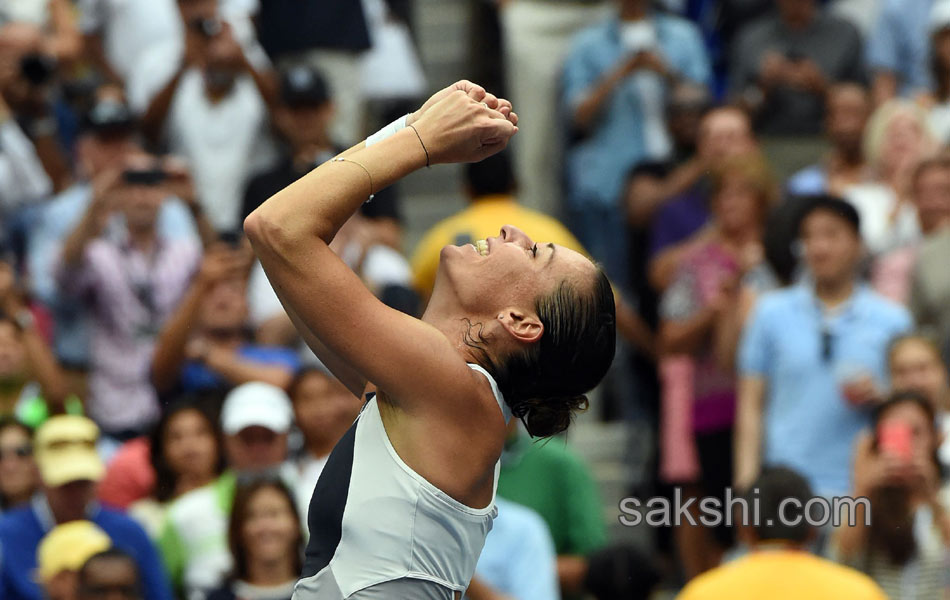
(387, 131)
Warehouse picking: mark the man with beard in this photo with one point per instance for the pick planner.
(255, 419)
(214, 112)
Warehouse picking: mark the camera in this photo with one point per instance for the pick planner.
(37, 68)
(148, 177)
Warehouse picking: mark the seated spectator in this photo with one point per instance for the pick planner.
(31, 383)
(63, 552)
(847, 109)
(892, 274)
(896, 139)
(323, 410)
(812, 358)
(904, 547)
(206, 344)
(897, 51)
(615, 79)
(702, 315)
(255, 418)
(69, 468)
(518, 559)
(915, 364)
(779, 565)
(265, 536)
(491, 190)
(551, 480)
(214, 113)
(111, 574)
(724, 132)
(939, 31)
(19, 479)
(783, 64)
(130, 286)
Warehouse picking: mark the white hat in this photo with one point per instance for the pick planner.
(940, 16)
(256, 403)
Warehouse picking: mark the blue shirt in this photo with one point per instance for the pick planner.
(598, 164)
(900, 43)
(809, 181)
(22, 530)
(518, 558)
(809, 426)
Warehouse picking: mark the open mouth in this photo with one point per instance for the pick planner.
(481, 246)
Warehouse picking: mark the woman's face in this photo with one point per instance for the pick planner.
(903, 140)
(18, 474)
(916, 367)
(190, 445)
(505, 272)
(923, 440)
(736, 205)
(12, 353)
(271, 529)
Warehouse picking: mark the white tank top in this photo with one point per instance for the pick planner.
(373, 519)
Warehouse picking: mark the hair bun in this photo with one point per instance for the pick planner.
(544, 417)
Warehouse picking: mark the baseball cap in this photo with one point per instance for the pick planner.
(68, 546)
(65, 450)
(940, 16)
(256, 404)
(302, 85)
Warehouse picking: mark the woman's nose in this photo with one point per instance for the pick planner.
(510, 233)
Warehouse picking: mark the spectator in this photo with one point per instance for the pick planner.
(214, 112)
(323, 410)
(615, 80)
(905, 545)
(31, 383)
(19, 479)
(69, 468)
(930, 284)
(812, 358)
(897, 138)
(550, 479)
(255, 418)
(915, 364)
(111, 574)
(897, 51)
(779, 565)
(55, 17)
(266, 541)
(847, 110)
(518, 560)
(22, 177)
(206, 344)
(940, 70)
(724, 132)
(131, 286)
(490, 186)
(702, 316)
(784, 63)
(61, 554)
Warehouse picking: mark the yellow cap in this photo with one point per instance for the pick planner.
(68, 546)
(65, 450)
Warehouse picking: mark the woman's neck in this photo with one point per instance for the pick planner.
(737, 239)
(271, 573)
(188, 482)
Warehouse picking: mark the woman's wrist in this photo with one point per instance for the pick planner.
(391, 129)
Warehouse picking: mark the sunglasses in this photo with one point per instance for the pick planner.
(24, 451)
(827, 349)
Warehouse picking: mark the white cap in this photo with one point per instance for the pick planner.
(256, 403)
(940, 16)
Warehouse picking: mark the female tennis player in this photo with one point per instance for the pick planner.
(406, 499)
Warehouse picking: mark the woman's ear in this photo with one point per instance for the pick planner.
(525, 328)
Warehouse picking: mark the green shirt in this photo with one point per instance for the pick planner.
(547, 476)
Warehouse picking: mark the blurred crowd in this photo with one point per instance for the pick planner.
(767, 184)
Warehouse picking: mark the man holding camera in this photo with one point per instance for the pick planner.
(130, 283)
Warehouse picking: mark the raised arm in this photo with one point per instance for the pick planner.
(291, 232)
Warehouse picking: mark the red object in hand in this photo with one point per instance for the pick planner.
(896, 438)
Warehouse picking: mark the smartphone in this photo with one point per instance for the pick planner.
(144, 176)
(896, 438)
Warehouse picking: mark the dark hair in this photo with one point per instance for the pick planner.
(242, 498)
(774, 485)
(110, 554)
(491, 176)
(892, 529)
(830, 204)
(10, 422)
(166, 480)
(545, 383)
